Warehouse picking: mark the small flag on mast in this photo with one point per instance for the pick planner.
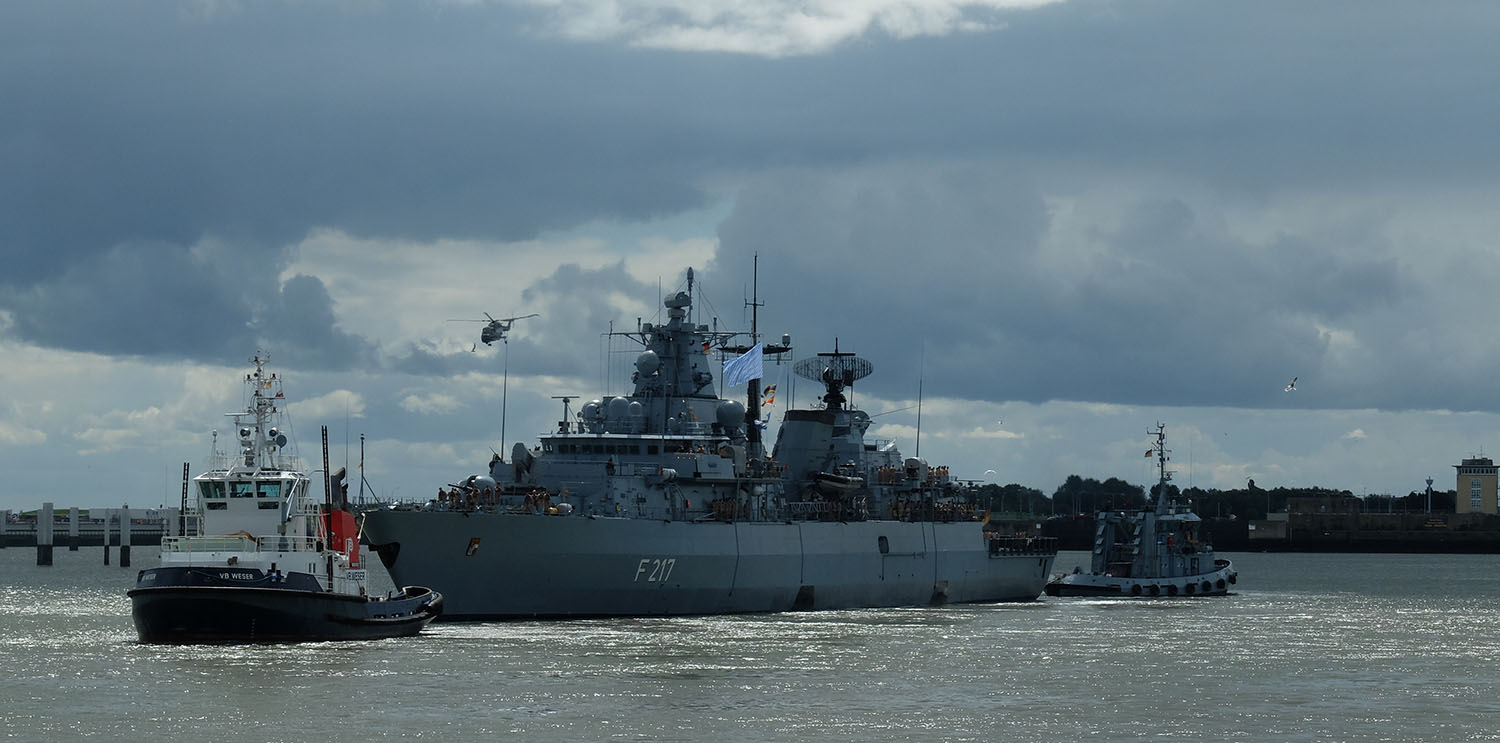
(1149, 452)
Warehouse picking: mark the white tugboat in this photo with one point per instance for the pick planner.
(272, 564)
(1150, 553)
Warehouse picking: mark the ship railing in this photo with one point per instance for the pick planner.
(224, 543)
(238, 543)
(1012, 546)
(287, 544)
(808, 508)
(829, 510)
(696, 428)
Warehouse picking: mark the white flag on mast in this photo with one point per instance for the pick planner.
(742, 369)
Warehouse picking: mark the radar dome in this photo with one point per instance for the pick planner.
(647, 363)
(618, 407)
(731, 414)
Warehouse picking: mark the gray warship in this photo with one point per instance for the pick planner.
(1151, 552)
(664, 502)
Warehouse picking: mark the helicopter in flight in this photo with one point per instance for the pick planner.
(497, 328)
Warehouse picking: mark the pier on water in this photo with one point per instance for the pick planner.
(48, 528)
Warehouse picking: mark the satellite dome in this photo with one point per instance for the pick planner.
(647, 363)
(618, 407)
(731, 414)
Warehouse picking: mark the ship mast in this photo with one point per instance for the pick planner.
(752, 389)
(754, 448)
(1161, 466)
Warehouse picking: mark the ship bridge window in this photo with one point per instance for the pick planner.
(211, 489)
(217, 505)
(270, 490)
(242, 490)
(651, 449)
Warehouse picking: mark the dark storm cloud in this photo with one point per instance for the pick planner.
(903, 262)
(153, 122)
(150, 123)
(211, 302)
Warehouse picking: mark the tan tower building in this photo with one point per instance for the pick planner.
(1477, 479)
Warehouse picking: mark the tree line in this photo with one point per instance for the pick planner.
(1086, 496)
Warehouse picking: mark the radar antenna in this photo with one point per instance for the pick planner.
(836, 370)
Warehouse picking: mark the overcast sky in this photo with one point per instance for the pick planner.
(1062, 221)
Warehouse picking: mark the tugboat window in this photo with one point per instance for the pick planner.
(211, 489)
(242, 490)
(270, 490)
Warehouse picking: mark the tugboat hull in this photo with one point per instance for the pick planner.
(244, 613)
(1216, 583)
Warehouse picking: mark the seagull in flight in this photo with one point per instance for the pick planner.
(1291, 387)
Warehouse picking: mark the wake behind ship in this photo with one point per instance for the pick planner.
(663, 502)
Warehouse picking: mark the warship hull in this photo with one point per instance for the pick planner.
(509, 566)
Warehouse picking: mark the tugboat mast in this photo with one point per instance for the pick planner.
(1161, 466)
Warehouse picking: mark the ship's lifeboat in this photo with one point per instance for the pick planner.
(831, 484)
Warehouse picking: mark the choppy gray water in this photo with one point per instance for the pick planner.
(1311, 648)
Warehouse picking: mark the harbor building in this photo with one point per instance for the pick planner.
(1476, 488)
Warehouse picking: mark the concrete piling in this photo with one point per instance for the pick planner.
(124, 537)
(4, 528)
(73, 517)
(44, 535)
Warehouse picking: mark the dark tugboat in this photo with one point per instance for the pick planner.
(1149, 553)
(271, 564)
